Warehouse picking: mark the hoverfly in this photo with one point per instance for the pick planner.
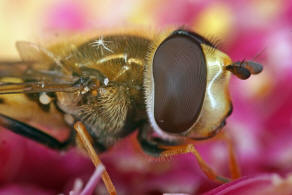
(170, 87)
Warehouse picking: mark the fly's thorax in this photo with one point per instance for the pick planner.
(117, 59)
(111, 101)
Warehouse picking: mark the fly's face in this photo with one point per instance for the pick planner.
(186, 83)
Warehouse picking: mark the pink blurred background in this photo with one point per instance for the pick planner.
(260, 125)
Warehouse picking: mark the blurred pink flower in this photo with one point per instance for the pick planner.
(67, 16)
(260, 124)
(259, 185)
(25, 166)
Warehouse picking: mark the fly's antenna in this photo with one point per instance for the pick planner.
(259, 53)
(243, 69)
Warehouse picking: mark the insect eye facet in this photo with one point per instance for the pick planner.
(179, 76)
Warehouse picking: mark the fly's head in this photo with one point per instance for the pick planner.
(186, 85)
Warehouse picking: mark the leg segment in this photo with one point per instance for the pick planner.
(33, 133)
(158, 147)
(209, 172)
(233, 165)
(86, 143)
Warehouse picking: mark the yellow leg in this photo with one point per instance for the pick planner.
(209, 172)
(86, 142)
(174, 150)
(233, 165)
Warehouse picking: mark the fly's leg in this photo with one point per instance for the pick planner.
(233, 164)
(208, 171)
(33, 133)
(163, 149)
(190, 148)
(85, 140)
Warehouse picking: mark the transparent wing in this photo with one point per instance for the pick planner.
(35, 87)
(39, 71)
(24, 77)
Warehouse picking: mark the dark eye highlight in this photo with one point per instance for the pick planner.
(179, 73)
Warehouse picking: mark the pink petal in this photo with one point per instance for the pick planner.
(259, 185)
(91, 185)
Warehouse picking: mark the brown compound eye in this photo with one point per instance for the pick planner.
(179, 75)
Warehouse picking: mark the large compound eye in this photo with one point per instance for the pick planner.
(179, 73)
